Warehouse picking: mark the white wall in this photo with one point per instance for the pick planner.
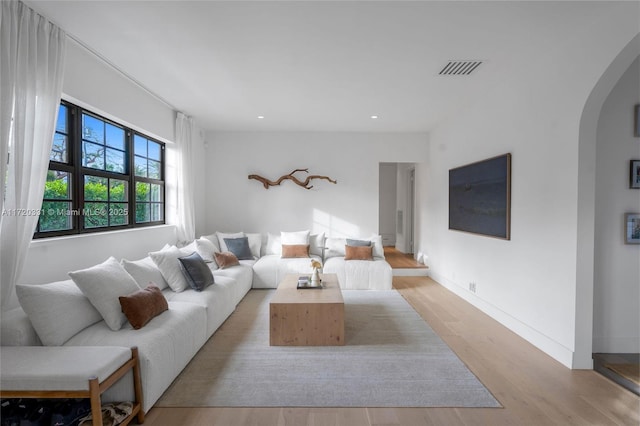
(616, 322)
(387, 203)
(529, 283)
(348, 208)
(200, 181)
(51, 259)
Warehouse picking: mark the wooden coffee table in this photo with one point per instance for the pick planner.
(308, 317)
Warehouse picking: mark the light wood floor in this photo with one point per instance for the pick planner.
(533, 388)
(397, 259)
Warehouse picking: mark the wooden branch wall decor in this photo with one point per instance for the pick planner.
(305, 184)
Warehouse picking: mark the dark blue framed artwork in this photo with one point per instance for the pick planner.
(480, 197)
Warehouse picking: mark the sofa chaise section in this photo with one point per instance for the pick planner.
(360, 274)
(374, 273)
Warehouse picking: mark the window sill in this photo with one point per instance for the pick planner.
(43, 242)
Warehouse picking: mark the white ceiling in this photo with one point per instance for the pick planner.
(320, 66)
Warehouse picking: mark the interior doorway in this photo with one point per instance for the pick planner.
(397, 205)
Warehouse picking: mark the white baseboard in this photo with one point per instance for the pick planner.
(410, 272)
(547, 345)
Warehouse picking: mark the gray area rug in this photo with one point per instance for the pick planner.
(392, 358)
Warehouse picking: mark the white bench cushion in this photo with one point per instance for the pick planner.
(58, 368)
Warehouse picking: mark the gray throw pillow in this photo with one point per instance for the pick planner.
(196, 271)
(358, 243)
(239, 247)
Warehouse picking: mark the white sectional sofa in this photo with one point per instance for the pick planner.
(60, 314)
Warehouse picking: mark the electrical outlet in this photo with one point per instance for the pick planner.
(472, 287)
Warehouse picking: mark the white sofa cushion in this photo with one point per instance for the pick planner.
(169, 265)
(378, 249)
(217, 299)
(103, 284)
(241, 274)
(335, 247)
(294, 238)
(273, 245)
(187, 249)
(214, 240)
(255, 244)
(316, 244)
(57, 310)
(17, 330)
(145, 271)
(206, 248)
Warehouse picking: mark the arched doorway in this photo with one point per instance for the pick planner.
(582, 357)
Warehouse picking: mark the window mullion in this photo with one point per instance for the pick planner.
(132, 179)
(78, 175)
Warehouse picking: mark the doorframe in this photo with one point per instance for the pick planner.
(411, 210)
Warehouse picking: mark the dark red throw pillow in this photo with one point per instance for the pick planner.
(143, 305)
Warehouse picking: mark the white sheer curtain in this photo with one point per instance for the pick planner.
(32, 52)
(185, 129)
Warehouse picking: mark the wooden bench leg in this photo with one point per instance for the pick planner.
(96, 404)
(137, 383)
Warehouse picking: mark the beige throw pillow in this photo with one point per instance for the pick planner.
(295, 250)
(358, 253)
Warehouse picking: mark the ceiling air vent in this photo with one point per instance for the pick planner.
(460, 67)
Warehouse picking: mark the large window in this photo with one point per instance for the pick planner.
(102, 176)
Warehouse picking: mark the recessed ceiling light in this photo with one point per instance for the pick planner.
(261, 117)
(373, 117)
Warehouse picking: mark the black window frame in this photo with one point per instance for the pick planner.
(78, 172)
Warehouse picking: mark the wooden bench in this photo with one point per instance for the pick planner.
(69, 372)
